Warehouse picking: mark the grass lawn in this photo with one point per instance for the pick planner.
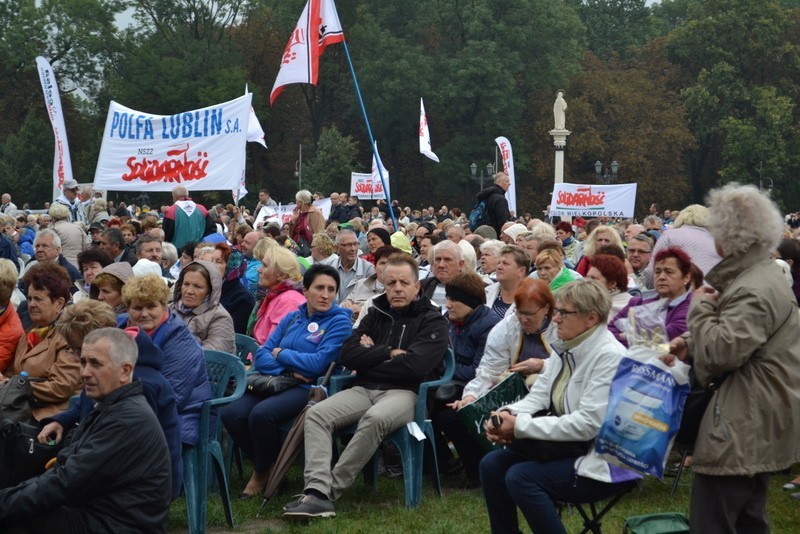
(363, 509)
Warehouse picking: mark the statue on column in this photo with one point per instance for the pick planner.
(559, 112)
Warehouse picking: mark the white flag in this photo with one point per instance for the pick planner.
(62, 164)
(317, 27)
(255, 133)
(377, 185)
(424, 135)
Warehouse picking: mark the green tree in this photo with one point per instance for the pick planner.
(330, 167)
(614, 26)
(745, 61)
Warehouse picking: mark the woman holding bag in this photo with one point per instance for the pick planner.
(743, 335)
(549, 432)
(302, 346)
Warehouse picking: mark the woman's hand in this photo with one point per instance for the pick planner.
(49, 429)
(679, 349)
(276, 351)
(469, 399)
(300, 377)
(528, 367)
(503, 434)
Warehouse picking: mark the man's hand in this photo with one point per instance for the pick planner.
(679, 348)
(469, 399)
(49, 429)
(366, 341)
(503, 434)
(396, 352)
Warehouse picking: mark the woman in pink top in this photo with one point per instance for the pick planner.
(279, 275)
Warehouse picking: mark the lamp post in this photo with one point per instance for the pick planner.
(473, 171)
(610, 174)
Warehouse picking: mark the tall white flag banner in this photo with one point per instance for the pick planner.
(62, 164)
(507, 156)
(255, 133)
(377, 186)
(317, 28)
(202, 149)
(593, 200)
(425, 135)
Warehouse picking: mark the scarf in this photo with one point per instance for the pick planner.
(162, 321)
(236, 266)
(37, 334)
(283, 287)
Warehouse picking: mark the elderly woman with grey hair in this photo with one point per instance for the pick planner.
(743, 338)
(689, 233)
(561, 414)
(306, 221)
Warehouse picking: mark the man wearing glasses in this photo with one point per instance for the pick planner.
(351, 268)
(640, 248)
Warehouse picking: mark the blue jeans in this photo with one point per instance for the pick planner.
(509, 480)
(255, 422)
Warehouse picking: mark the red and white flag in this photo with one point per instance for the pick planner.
(424, 135)
(318, 27)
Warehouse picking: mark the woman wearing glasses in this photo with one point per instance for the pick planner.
(548, 433)
(518, 343)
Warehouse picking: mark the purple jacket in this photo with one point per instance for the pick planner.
(675, 321)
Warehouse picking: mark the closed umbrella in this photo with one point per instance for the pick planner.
(294, 440)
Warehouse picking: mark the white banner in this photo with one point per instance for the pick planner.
(202, 149)
(507, 156)
(593, 200)
(62, 164)
(283, 213)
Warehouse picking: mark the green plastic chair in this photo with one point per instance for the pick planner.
(221, 368)
(411, 449)
(245, 346)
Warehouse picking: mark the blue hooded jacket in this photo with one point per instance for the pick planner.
(309, 344)
(184, 367)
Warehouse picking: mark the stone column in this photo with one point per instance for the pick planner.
(560, 142)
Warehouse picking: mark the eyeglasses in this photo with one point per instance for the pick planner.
(563, 313)
(526, 315)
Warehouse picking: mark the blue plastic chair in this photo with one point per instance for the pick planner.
(221, 368)
(245, 346)
(411, 449)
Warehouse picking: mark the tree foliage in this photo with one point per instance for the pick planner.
(686, 94)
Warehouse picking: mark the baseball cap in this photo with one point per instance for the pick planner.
(70, 184)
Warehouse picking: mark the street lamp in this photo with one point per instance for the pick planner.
(473, 171)
(610, 174)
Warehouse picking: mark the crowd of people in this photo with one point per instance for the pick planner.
(116, 304)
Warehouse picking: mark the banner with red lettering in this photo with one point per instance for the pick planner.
(366, 186)
(507, 157)
(203, 149)
(593, 200)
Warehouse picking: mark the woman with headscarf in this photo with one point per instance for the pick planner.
(376, 238)
(107, 285)
(235, 298)
(196, 302)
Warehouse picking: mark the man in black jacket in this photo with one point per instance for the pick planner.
(115, 475)
(398, 345)
(494, 197)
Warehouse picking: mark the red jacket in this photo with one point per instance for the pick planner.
(10, 332)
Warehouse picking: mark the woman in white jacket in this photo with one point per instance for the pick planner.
(549, 456)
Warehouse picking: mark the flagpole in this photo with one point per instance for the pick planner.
(369, 132)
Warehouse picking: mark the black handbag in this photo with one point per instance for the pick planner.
(16, 396)
(21, 455)
(544, 451)
(269, 385)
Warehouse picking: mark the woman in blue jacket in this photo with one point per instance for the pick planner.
(184, 364)
(303, 345)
